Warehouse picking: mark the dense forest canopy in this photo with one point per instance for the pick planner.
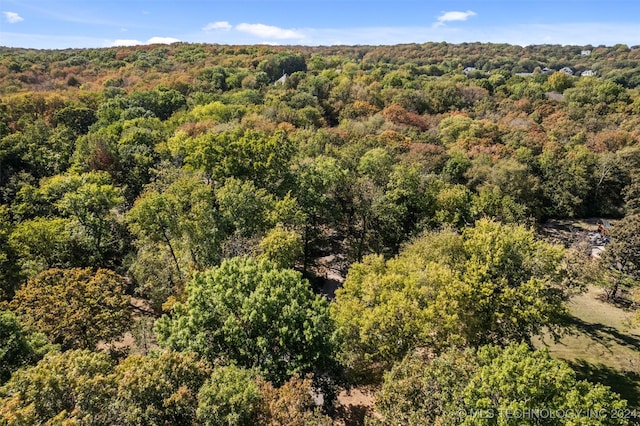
(198, 199)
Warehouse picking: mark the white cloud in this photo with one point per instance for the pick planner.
(125, 42)
(218, 25)
(454, 16)
(133, 42)
(269, 31)
(12, 17)
(578, 34)
(162, 40)
(563, 33)
(49, 41)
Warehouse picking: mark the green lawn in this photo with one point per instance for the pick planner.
(601, 345)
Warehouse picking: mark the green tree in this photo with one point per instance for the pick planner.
(510, 178)
(407, 203)
(318, 188)
(456, 166)
(14, 347)
(126, 149)
(44, 200)
(158, 389)
(491, 202)
(78, 119)
(9, 263)
(178, 229)
(285, 62)
(76, 212)
(217, 111)
(76, 308)
(492, 283)
(376, 164)
(63, 388)
(629, 158)
(244, 208)
(44, 243)
(36, 149)
(162, 102)
(111, 109)
(491, 386)
(236, 396)
(183, 217)
(154, 218)
(281, 246)
(137, 153)
(559, 82)
(230, 396)
(550, 384)
(567, 178)
(254, 315)
(597, 91)
(247, 213)
(93, 206)
(155, 276)
(212, 79)
(418, 390)
(622, 255)
(453, 128)
(610, 180)
(245, 154)
(443, 96)
(452, 205)
(18, 348)
(290, 404)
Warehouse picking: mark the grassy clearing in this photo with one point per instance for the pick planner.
(601, 345)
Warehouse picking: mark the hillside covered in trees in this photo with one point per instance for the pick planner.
(233, 235)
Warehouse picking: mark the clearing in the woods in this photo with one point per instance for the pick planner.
(602, 344)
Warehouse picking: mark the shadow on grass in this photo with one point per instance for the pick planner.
(352, 415)
(627, 384)
(622, 300)
(602, 333)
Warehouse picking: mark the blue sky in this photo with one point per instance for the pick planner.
(59, 24)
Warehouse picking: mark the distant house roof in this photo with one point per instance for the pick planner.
(282, 79)
(567, 71)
